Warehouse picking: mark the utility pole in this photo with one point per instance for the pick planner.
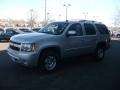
(48, 18)
(66, 7)
(59, 16)
(31, 18)
(95, 17)
(45, 11)
(85, 15)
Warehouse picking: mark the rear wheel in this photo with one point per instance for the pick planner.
(49, 61)
(100, 53)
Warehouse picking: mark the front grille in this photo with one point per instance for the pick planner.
(15, 45)
(15, 48)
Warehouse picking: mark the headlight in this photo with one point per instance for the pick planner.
(28, 47)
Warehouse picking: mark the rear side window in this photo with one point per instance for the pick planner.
(102, 29)
(89, 29)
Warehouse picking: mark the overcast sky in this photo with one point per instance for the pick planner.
(103, 10)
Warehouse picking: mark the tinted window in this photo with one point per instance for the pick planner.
(77, 27)
(24, 30)
(102, 29)
(89, 29)
(11, 31)
(36, 29)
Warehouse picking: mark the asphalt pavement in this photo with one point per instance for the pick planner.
(80, 73)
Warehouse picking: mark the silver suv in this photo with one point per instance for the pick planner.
(59, 40)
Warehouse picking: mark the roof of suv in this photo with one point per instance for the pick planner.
(81, 21)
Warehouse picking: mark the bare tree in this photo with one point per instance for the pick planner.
(32, 19)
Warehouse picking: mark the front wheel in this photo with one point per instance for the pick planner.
(49, 61)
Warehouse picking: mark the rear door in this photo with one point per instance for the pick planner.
(90, 37)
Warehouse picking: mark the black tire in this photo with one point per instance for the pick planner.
(99, 53)
(49, 61)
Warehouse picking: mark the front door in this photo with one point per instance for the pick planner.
(75, 43)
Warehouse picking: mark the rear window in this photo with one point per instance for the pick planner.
(36, 29)
(24, 30)
(102, 29)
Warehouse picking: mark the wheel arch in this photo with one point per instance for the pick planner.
(50, 48)
(101, 44)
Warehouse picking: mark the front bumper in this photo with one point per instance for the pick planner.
(29, 59)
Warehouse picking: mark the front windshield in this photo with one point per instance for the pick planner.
(55, 28)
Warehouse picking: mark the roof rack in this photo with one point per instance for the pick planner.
(90, 21)
(85, 21)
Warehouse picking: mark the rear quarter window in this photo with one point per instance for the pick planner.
(102, 29)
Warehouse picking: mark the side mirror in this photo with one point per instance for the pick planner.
(71, 33)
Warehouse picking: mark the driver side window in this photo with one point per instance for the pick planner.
(76, 27)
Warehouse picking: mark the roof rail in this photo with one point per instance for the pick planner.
(89, 21)
(85, 21)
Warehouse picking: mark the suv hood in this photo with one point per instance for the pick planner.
(30, 37)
